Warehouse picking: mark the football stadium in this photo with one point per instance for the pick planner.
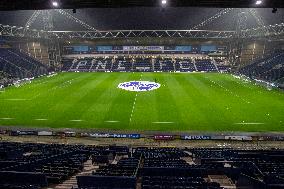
(158, 94)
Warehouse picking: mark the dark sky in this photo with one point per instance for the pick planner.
(143, 18)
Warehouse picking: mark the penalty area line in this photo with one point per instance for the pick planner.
(76, 120)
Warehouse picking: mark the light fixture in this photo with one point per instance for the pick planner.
(55, 3)
(164, 2)
(258, 2)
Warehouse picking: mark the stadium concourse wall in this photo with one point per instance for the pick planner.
(252, 50)
(36, 48)
(146, 41)
(153, 135)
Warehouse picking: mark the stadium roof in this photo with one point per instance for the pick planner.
(72, 4)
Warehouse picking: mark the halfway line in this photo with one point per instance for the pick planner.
(133, 106)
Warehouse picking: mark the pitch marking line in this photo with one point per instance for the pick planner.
(133, 107)
(228, 90)
(7, 118)
(16, 99)
(134, 102)
(163, 122)
(76, 120)
(111, 121)
(54, 88)
(249, 123)
(41, 119)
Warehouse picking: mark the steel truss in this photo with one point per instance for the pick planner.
(212, 18)
(76, 20)
(33, 18)
(48, 24)
(143, 33)
(270, 31)
(15, 31)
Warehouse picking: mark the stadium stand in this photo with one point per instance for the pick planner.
(145, 64)
(122, 64)
(19, 65)
(102, 64)
(164, 64)
(5, 79)
(34, 166)
(205, 65)
(223, 68)
(269, 68)
(122, 175)
(87, 64)
(185, 65)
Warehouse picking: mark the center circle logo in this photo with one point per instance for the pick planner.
(139, 86)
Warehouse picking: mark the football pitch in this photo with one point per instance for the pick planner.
(184, 102)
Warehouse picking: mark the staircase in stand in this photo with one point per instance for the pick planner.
(193, 61)
(72, 181)
(214, 62)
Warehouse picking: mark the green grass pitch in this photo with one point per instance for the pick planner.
(184, 102)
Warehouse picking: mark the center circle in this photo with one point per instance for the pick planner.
(139, 86)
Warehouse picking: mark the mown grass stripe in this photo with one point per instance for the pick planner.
(191, 101)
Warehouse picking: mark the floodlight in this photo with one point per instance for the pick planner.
(258, 2)
(164, 2)
(55, 3)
